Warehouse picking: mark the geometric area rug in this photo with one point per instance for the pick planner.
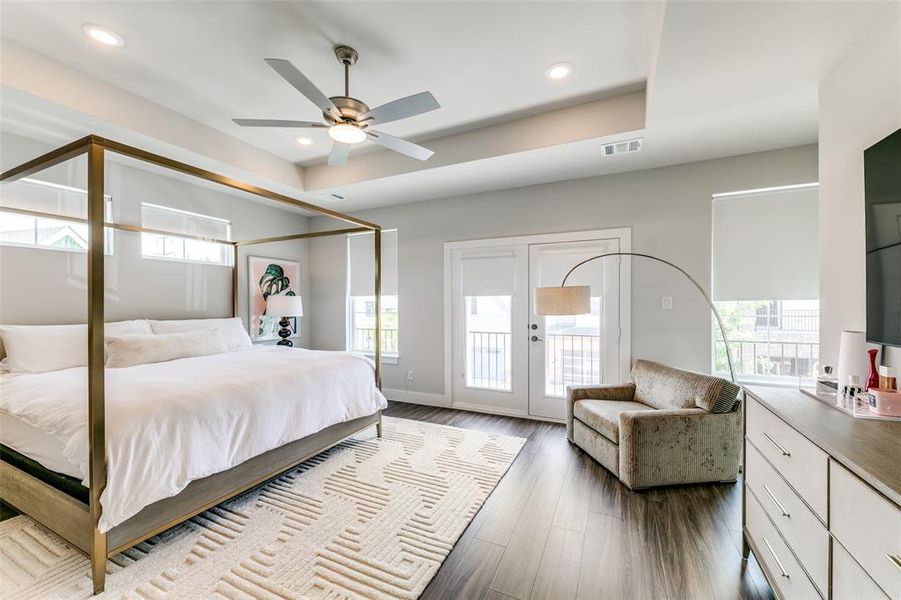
(367, 519)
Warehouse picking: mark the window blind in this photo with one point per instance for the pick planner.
(361, 263)
(766, 245)
(488, 273)
(179, 221)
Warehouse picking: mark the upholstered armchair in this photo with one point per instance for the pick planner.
(666, 426)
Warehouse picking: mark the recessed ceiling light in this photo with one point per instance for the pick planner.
(559, 70)
(304, 141)
(103, 35)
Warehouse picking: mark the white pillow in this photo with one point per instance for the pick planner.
(41, 348)
(131, 350)
(233, 333)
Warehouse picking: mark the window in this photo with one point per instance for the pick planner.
(361, 300)
(766, 285)
(770, 340)
(54, 234)
(174, 247)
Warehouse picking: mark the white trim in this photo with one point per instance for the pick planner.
(387, 359)
(777, 188)
(423, 398)
(625, 301)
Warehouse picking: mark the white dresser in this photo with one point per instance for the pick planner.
(822, 498)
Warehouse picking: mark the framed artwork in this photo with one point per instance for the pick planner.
(266, 277)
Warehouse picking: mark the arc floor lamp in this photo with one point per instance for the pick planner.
(576, 299)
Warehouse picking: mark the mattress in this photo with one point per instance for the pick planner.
(38, 445)
(168, 424)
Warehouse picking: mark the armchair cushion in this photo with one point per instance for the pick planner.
(603, 415)
(623, 392)
(667, 388)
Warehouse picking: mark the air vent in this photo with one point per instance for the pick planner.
(622, 147)
(332, 197)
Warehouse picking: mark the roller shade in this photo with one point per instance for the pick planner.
(555, 263)
(32, 193)
(179, 221)
(361, 264)
(488, 273)
(766, 245)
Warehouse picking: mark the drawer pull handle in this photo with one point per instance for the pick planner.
(777, 444)
(776, 501)
(782, 571)
(895, 559)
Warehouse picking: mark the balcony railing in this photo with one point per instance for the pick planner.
(364, 340)
(770, 358)
(488, 360)
(571, 360)
(799, 320)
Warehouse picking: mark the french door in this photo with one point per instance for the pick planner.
(506, 359)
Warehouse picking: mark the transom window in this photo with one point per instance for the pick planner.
(31, 231)
(184, 249)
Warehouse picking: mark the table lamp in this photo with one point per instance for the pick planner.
(284, 306)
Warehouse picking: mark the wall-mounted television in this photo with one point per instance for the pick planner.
(882, 173)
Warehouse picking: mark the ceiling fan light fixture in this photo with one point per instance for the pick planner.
(345, 133)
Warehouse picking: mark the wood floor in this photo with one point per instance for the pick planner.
(560, 526)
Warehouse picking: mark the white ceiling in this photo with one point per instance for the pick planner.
(723, 78)
(481, 60)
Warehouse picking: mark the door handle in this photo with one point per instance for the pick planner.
(535, 338)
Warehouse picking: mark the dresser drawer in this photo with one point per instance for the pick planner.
(849, 581)
(786, 574)
(804, 533)
(796, 458)
(868, 526)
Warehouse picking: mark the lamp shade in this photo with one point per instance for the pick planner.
(284, 306)
(563, 300)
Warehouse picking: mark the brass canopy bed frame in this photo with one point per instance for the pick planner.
(76, 520)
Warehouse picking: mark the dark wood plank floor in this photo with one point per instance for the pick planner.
(560, 526)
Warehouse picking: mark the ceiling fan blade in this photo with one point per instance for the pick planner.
(303, 85)
(401, 109)
(399, 145)
(339, 154)
(276, 123)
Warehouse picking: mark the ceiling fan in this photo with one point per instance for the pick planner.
(349, 120)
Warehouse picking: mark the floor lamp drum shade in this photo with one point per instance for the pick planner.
(281, 305)
(563, 300)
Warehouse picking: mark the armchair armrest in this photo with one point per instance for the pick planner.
(685, 445)
(616, 391)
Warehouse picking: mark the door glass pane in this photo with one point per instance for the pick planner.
(488, 342)
(572, 350)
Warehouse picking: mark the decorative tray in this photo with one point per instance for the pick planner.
(855, 406)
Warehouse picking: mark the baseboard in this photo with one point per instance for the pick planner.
(478, 408)
(442, 401)
(423, 398)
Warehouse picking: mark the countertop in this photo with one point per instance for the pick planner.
(869, 448)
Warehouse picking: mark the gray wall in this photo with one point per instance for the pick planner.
(39, 286)
(668, 209)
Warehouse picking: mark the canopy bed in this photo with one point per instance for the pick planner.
(244, 425)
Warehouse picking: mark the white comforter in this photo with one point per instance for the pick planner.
(170, 423)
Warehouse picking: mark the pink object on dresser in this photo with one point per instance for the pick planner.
(885, 402)
(873, 379)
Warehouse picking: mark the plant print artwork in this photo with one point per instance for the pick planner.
(269, 276)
